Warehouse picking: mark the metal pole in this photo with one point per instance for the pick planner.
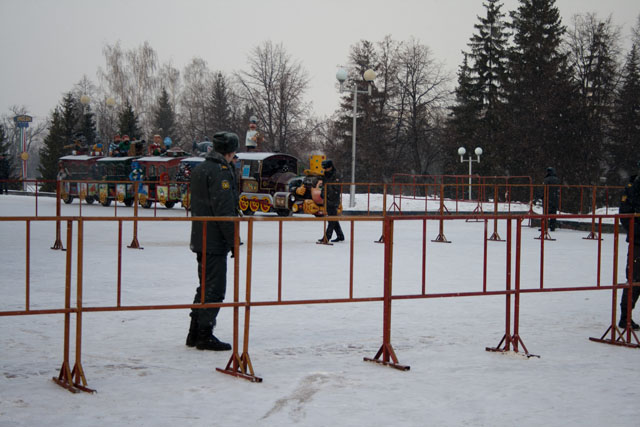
(470, 161)
(352, 191)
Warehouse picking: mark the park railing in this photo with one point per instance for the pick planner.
(492, 279)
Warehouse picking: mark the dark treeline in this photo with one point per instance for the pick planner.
(531, 91)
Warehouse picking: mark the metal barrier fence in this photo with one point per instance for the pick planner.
(73, 378)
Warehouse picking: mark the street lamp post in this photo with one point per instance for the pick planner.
(369, 76)
(461, 153)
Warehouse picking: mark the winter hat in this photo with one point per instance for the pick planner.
(225, 142)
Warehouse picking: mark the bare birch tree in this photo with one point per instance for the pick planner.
(423, 84)
(195, 115)
(274, 87)
(132, 75)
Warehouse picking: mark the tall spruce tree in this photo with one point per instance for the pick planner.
(488, 70)
(128, 122)
(220, 104)
(88, 125)
(370, 121)
(465, 114)
(7, 163)
(541, 116)
(60, 139)
(592, 51)
(625, 134)
(52, 149)
(164, 117)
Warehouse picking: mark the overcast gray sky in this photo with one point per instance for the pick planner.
(48, 45)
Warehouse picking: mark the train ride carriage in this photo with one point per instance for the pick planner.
(115, 169)
(163, 169)
(264, 181)
(80, 168)
(183, 178)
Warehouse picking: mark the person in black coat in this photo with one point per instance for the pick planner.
(213, 194)
(551, 182)
(630, 203)
(331, 201)
(5, 173)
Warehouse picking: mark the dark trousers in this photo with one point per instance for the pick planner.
(552, 210)
(215, 287)
(333, 225)
(635, 293)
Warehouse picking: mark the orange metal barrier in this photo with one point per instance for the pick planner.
(240, 365)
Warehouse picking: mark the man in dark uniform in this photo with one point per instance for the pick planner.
(630, 203)
(213, 193)
(551, 182)
(331, 201)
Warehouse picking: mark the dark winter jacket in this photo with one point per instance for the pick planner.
(630, 203)
(213, 193)
(332, 197)
(552, 180)
(4, 168)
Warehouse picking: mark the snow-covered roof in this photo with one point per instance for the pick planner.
(80, 157)
(259, 156)
(156, 159)
(116, 159)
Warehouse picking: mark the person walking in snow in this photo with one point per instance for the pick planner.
(331, 196)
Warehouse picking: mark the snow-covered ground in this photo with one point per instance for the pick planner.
(310, 356)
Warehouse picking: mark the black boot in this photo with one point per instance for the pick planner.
(193, 332)
(207, 341)
(623, 324)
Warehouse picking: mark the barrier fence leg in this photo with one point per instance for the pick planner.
(389, 357)
(544, 232)
(65, 378)
(592, 235)
(58, 242)
(240, 365)
(509, 339)
(79, 380)
(495, 237)
(134, 243)
(441, 237)
(626, 337)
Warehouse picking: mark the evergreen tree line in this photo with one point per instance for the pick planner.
(530, 91)
(534, 93)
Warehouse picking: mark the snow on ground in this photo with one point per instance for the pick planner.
(310, 356)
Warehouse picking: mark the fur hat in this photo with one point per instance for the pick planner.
(225, 142)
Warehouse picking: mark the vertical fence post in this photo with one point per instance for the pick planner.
(240, 365)
(495, 236)
(79, 380)
(58, 243)
(441, 237)
(386, 350)
(592, 235)
(134, 243)
(65, 379)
